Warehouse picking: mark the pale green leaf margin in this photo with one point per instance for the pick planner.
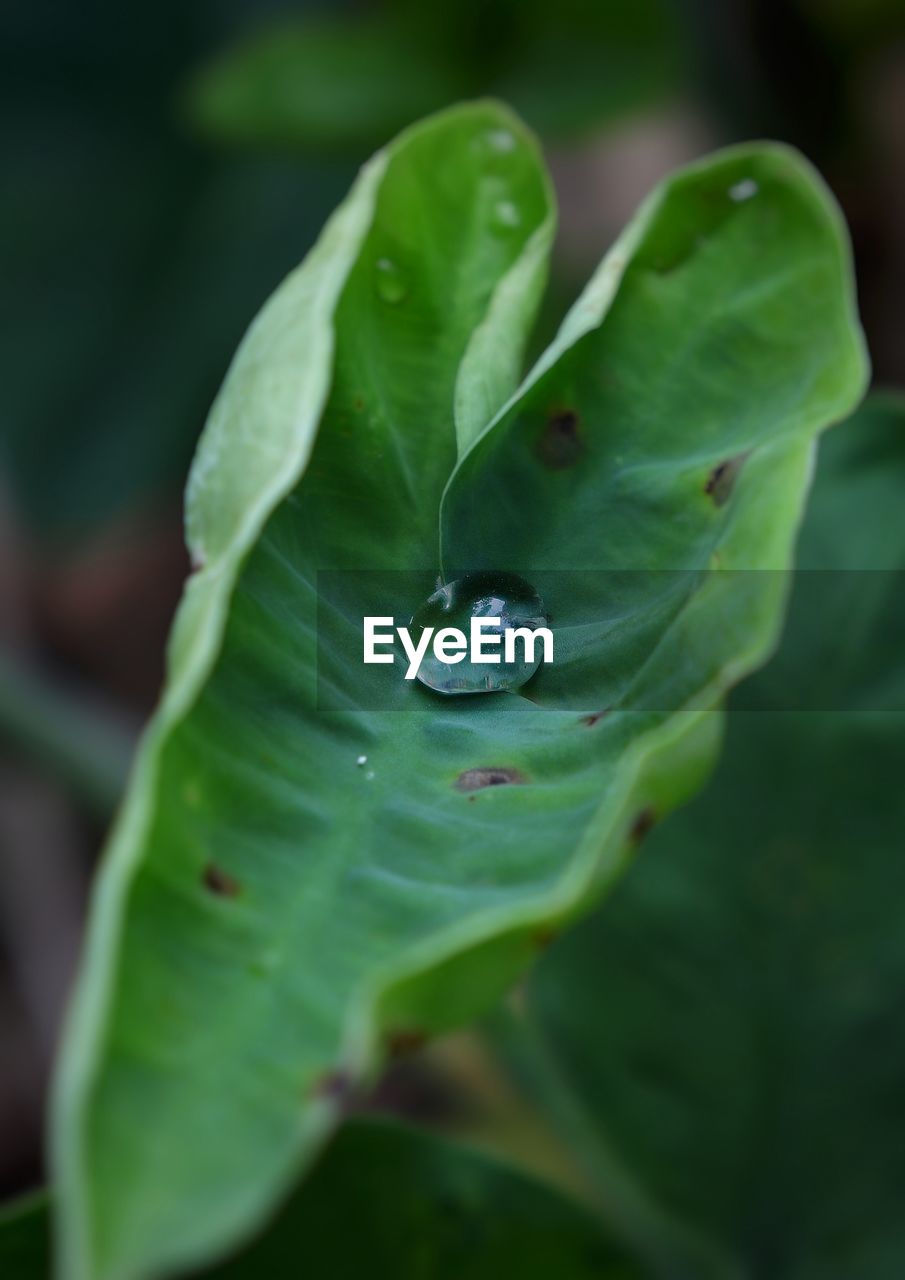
(228, 505)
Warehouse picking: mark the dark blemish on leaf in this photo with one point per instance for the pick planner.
(560, 444)
(493, 776)
(335, 1085)
(721, 480)
(358, 404)
(544, 937)
(592, 719)
(219, 882)
(404, 1041)
(407, 1091)
(642, 824)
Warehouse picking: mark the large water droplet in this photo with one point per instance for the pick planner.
(480, 595)
(391, 284)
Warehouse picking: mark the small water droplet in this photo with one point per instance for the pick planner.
(506, 215)
(480, 595)
(370, 775)
(391, 283)
(500, 140)
(362, 760)
(743, 190)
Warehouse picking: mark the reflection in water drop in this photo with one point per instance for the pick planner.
(743, 190)
(505, 214)
(391, 284)
(480, 595)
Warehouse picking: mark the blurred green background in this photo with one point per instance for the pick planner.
(164, 168)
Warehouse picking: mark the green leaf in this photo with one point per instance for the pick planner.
(421, 1208)
(424, 1207)
(318, 83)
(713, 364)
(25, 1238)
(269, 913)
(314, 83)
(725, 1035)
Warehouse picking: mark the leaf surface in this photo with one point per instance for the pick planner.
(725, 1034)
(273, 915)
(423, 1208)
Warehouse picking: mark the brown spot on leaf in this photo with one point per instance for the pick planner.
(721, 480)
(592, 719)
(219, 882)
(544, 937)
(561, 443)
(642, 824)
(404, 1041)
(492, 776)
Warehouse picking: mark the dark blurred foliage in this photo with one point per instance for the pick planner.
(163, 168)
(134, 254)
